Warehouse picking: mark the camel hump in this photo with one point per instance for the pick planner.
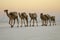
(53, 18)
(46, 16)
(13, 13)
(35, 15)
(24, 14)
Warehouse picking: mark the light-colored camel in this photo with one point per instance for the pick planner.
(33, 16)
(12, 17)
(24, 17)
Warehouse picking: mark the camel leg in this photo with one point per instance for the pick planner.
(27, 21)
(24, 22)
(50, 22)
(42, 23)
(33, 22)
(11, 23)
(21, 22)
(46, 23)
(36, 22)
(17, 22)
(30, 22)
(14, 21)
(54, 23)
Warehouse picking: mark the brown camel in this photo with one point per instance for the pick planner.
(53, 20)
(50, 19)
(12, 17)
(33, 17)
(44, 19)
(24, 17)
(47, 18)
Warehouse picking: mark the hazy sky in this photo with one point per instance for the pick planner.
(30, 5)
(45, 6)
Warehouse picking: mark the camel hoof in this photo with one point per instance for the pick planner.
(20, 26)
(49, 25)
(33, 25)
(30, 25)
(37, 25)
(11, 26)
(26, 25)
(41, 25)
(45, 25)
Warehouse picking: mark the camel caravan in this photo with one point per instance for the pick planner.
(45, 19)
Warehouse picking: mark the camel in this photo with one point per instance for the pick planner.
(52, 20)
(24, 17)
(47, 18)
(33, 16)
(44, 19)
(12, 17)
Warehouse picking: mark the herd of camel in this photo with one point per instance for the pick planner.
(45, 18)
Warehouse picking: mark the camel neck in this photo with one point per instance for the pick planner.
(7, 14)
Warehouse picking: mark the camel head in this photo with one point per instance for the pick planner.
(23, 14)
(6, 10)
(41, 14)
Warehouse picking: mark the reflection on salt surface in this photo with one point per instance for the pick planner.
(29, 33)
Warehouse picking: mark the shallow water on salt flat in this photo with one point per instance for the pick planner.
(29, 33)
